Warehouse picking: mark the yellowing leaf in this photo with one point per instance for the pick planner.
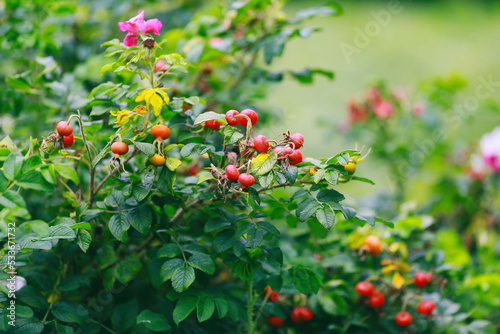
(122, 117)
(263, 163)
(140, 109)
(145, 95)
(164, 95)
(387, 269)
(172, 163)
(156, 101)
(397, 280)
(385, 262)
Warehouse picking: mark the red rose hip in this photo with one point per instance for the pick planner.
(246, 180)
(273, 295)
(275, 321)
(426, 307)
(160, 131)
(297, 140)
(231, 119)
(403, 318)
(251, 114)
(260, 144)
(68, 140)
(119, 148)
(365, 288)
(300, 314)
(376, 299)
(421, 279)
(213, 125)
(232, 172)
(295, 157)
(64, 129)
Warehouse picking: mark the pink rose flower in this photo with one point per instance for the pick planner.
(383, 109)
(418, 108)
(137, 25)
(490, 149)
(159, 66)
(357, 114)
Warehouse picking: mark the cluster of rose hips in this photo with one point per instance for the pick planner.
(375, 298)
(287, 150)
(299, 314)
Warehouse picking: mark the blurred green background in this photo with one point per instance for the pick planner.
(426, 39)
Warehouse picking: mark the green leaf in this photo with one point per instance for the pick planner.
(126, 269)
(118, 226)
(17, 82)
(216, 224)
(266, 180)
(101, 155)
(188, 149)
(255, 237)
(67, 172)
(263, 163)
(318, 176)
(253, 198)
(11, 199)
(32, 163)
(291, 174)
(269, 228)
(202, 262)
(32, 297)
(280, 178)
(330, 196)
(223, 241)
(331, 177)
(153, 321)
(168, 250)
(326, 216)
(62, 329)
(183, 308)
(124, 316)
(28, 326)
(222, 306)
(70, 312)
(183, 278)
(205, 308)
(12, 166)
(172, 163)
(169, 267)
(140, 218)
(210, 116)
(23, 311)
(231, 135)
(385, 222)
(146, 148)
(4, 183)
(84, 239)
(362, 179)
(204, 177)
(33, 180)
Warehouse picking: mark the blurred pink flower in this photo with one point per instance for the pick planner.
(383, 109)
(490, 149)
(418, 108)
(399, 93)
(477, 168)
(357, 114)
(137, 25)
(373, 94)
(159, 66)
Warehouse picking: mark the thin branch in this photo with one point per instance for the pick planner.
(114, 170)
(87, 148)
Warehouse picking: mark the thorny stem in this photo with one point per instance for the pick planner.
(261, 308)
(89, 154)
(250, 307)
